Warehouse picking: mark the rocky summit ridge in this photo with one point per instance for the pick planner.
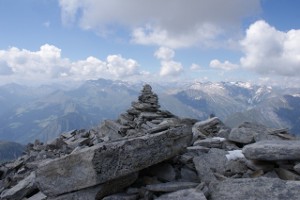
(149, 153)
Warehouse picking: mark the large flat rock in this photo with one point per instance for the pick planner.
(107, 161)
(209, 127)
(208, 163)
(273, 150)
(19, 191)
(99, 191)
(255, 188)
(188, 194)
(249, 132)
(171, 186)
(242, 135)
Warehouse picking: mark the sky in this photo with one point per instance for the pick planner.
(46, 41)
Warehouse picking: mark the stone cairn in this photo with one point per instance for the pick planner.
(144, 117)
(148, 153)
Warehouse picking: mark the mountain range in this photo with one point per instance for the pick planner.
(10, 151)
(43, 112)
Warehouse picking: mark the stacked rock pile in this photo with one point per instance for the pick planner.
(148, 153)
(144, 117)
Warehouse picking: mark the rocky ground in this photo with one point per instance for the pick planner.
(148, 153)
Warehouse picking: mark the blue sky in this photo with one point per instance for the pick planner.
(172, 40)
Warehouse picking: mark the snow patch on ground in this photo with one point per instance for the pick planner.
(219, 139)
(235, 155)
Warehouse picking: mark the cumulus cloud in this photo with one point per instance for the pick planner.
(45, 62)
(150, 35)
(169, 67)
(121, 67)
(164, 53)
(270, 51)
(114, 67)
(48, 64)
(172, 23)
(226, 65)
(195, 67)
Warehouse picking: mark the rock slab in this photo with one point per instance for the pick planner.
(255, 188)
(99, 191)
(20, 190)
(273, 150)
(104, 162)
(188, 194)
(171, 186)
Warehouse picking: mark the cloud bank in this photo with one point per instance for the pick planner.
(47, 64)
(269, 51)
(171, 23)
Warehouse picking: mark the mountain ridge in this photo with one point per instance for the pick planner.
(93, 101)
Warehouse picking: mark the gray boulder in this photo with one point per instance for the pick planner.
(171, 186)
(204, 171)
(19, 191)
(242, 135)
(208, 128)
(255, 188)
(99, 191)
(104, 162)
(188, 194)
(249, 132)
(216, 158)
(209, 163)
(273, 150)
(215, 142)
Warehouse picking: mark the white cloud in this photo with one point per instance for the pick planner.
(195, 67)
(270, 51)
(226, 65)
(150, 35)
(121, 67)
(169, 67)
(164, 53)
(172, 23)
(47, 64)
(89, 68)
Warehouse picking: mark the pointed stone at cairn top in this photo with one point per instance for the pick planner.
(147, 96)
(147, 101)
